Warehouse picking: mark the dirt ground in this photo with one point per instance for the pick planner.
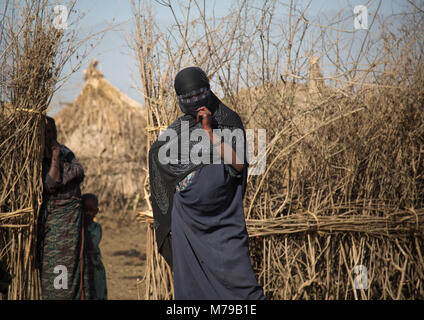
(123, 249)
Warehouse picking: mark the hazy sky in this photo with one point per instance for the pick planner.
(115, 58)
(114, 55)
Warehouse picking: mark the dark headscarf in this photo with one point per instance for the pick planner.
(165, 177)
(189, 82)
(50, 121)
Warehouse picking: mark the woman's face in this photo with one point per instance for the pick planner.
(197, 95)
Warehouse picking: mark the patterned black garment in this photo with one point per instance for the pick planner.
(164, 178)
(72, 174)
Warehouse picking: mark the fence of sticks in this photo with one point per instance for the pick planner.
(20, 199)
(338, 212)
(32, 55)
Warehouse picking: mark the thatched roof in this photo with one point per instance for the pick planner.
(105, 130)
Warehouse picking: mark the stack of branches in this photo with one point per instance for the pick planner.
(338, 211)
(32, 55)
(106, 131)
(346, 191)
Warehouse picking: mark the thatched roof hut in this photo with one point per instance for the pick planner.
(105, 130)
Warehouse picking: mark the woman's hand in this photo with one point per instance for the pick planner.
(54, 171)
(205, 114)
(55, 150)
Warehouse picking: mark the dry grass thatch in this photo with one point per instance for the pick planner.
(344, 181)
(32, 54)
(106, 131)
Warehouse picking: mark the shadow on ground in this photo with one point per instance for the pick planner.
(123, 248)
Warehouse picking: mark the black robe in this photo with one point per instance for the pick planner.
(164, 178)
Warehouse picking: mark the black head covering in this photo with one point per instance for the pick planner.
(50, 121)
(189, 82)
(190, 79)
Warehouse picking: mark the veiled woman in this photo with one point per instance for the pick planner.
(198, 205)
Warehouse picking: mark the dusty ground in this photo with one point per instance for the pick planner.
(123, 249)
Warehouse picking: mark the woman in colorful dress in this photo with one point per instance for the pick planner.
(63, 261)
